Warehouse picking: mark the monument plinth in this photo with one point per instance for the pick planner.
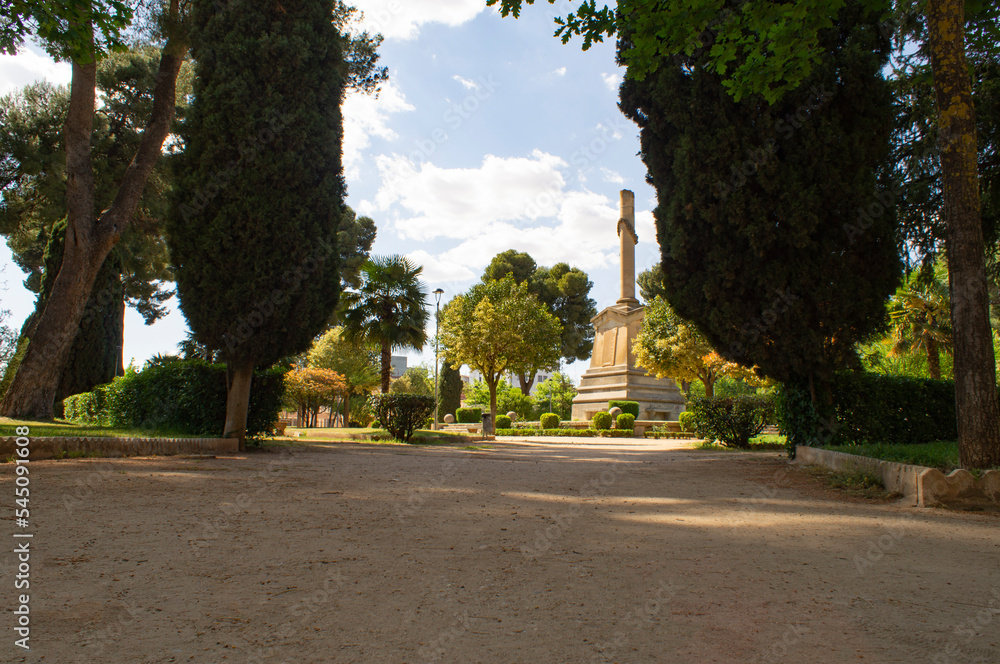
(612, 373)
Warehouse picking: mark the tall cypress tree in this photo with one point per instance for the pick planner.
(253, 231)
(775, 222)
(449, 389)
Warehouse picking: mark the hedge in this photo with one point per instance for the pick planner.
(871, 408)
(469, 415)
(625, 422)
(503, 422)
(178, 396)
(686, 420)
(732, 420)
(548, 421)
(601, 420)
(566, 433)
(626, 406)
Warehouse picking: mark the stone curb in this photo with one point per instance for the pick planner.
(919, 485)
(54, 447)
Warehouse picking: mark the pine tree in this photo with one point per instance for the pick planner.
(777, 239)
(253, 231)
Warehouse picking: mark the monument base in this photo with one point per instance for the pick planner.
(613, 375)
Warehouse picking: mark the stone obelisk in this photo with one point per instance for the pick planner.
(612, 373)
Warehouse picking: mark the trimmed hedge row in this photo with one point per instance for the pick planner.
(469, 415)
(631, 407)
(871, 408)
(566, 433)
(179, 396)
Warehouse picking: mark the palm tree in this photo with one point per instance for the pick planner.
(387, 311)
(921, 321)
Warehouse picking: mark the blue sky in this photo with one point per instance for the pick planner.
(490, 135)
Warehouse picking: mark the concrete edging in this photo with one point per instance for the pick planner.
(920, 485)
(54, 447)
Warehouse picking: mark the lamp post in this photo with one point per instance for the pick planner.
(437, 326)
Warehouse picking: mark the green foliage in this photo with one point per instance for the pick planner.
(687, 421)
(450, 389)
(870, 408)
(14, 348)
(259, 193)
(741, 192)
(182, 396)
(563, 433)
(415, 380)
(601, 420)
(626, 407)
(556, 394)
(509, 398)
(401, 414)
(625, 422)
(732, 420)
(564, 290)
(651, 284)
(387, 312)
(503, 422)
(468, 415)
(549, 421)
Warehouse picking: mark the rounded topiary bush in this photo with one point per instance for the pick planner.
(686, 420)
(469, 415)
(625, 422)
(602, 420)
(503, 422)
(549, 421)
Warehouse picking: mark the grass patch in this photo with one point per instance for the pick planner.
(65, 428)
(942, 455)
(762, 443)
(855, 482)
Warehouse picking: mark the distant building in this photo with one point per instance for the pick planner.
(540, 378)
(398, 363)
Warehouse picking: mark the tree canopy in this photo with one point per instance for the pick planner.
(499, 326)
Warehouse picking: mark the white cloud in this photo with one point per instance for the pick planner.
(366, 116)
(28, 66)
(560, 72)
(612, 81)
(438, 271)
(401, 19)
(466, 83)
(611, 176)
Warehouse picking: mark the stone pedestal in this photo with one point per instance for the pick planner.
(613, 374)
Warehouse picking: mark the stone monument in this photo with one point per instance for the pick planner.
(612, 373)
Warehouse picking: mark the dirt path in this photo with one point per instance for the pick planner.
(532, 553)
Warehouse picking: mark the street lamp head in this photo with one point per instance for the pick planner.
(437, 295)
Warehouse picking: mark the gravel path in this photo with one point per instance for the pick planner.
(530, 552)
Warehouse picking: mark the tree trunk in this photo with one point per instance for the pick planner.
(386, 367)
(239, 376)
(975, 369)
(492, 384)
(933, 358)
(88, 239)
(526, 384)
(708, 380)
(347, 409)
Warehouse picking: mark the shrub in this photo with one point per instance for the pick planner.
(401, 414)
(602, 420)
(469, 415)
(625, 422)
(503, 422)
(564, 433)
(626, 406)
(732, 420)
(82, 408)
(686, 420)
(184, 397)
(549, 421)
(871, 408)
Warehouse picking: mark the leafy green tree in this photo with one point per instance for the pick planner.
(357, 365)
(499, 326)
(387, 312)
(355, 239)
(415, 380)
(83, 34)
(651, 284)
(762, 263)
(259, 191)
(671, 347)
(564, 290)
(555, 395)
(920, 314)
(509, 398)
(449, 388)
(769, 49)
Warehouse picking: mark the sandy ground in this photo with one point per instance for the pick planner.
(528, 552)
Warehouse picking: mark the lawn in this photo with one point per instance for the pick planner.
(942, 455)
(64, 428)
